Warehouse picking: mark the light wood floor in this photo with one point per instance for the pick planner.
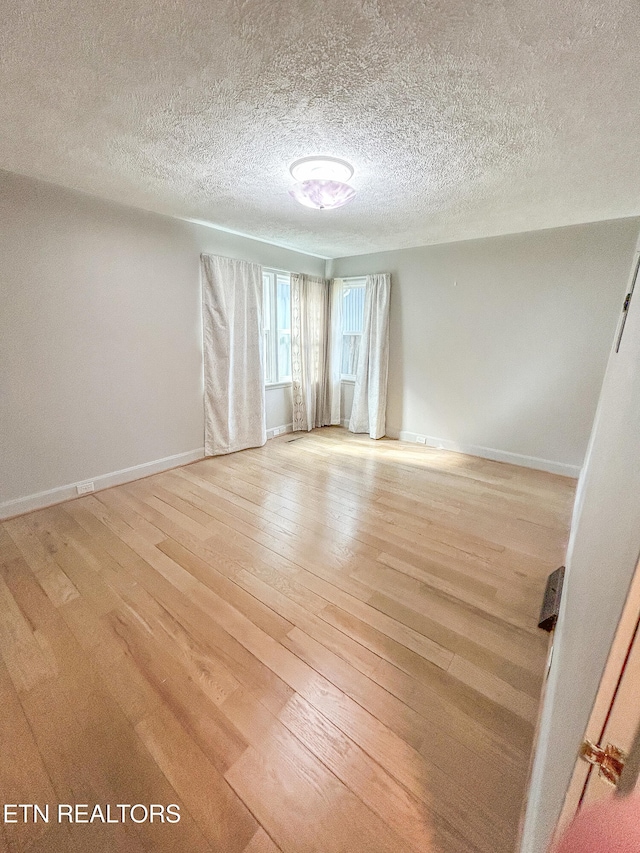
(326, 644)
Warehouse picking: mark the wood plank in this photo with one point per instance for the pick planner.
(261, 843)
(367, 779)
(92, 753)
(494, 688)
(276, 772)
(23, 775)
(25, 651)
(220, 814)
(50, 576)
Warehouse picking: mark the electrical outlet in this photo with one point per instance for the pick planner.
(84, 488)
(421, 439)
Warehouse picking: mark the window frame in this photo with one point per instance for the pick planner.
(271, 364)
(359, 282)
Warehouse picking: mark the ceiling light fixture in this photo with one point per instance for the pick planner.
(322, 182)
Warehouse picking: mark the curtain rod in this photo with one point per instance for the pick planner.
(289, 272)
(286, 272)
(275, 269)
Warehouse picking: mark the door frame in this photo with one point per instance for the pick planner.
(611, 675)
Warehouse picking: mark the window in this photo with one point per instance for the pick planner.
(277, 326)
(352, 319)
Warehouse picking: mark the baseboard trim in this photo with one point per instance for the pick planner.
(489, 453)
(40, 500)
(279, 430)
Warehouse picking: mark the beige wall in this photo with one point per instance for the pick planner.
(100, 334)
(501, 344)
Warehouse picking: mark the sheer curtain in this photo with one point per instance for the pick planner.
(234, 401)
(335, 349)
(370, 393)
(310, 324)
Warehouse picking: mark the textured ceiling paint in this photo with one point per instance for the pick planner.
(462, 119)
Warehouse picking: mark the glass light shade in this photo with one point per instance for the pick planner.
(321, 169)
(322, 195)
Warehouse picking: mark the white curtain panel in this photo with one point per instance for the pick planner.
(335, 349)
(234, 402)
(310, 317)
(370, 393)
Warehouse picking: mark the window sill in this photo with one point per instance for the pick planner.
(350, 380)
(272, 385)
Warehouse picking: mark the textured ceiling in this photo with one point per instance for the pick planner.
(462, 118)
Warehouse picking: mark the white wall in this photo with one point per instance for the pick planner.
(501, 344)
(279, 405)
(100, 334)
(601, 558)
(346, 399)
